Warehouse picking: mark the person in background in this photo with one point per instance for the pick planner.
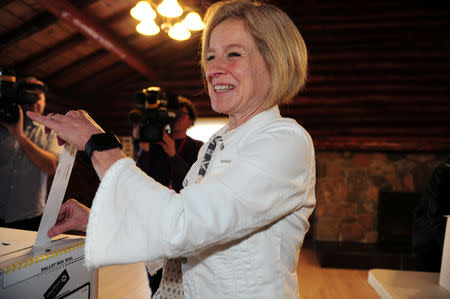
(168, 161)
(429, 221)
(236, 228)
(28, 157)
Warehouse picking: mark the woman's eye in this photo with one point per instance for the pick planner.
(234, 54)
(209, 58)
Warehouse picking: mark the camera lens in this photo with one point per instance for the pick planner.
(9, 111)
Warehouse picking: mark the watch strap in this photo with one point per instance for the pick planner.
(101, 142)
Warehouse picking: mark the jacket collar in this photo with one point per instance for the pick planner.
(271, 113)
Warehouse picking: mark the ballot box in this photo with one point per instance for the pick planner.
(56, 271)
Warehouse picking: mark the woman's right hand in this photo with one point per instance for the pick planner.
(72, 216)
(75, 127)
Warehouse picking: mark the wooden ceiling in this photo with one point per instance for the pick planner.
(378, 79)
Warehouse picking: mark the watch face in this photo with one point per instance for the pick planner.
(105, 141)
(101, 142)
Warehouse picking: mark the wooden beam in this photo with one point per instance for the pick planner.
(68, 44)
(38, 23)
(3, 3)
(106, 81)
(61, 73)
(87, 26)
(45, 55)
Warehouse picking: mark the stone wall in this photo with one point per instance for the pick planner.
(348, 184)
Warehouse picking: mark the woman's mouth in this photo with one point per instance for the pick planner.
(223, 87)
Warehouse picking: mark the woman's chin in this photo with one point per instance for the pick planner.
(217, 107)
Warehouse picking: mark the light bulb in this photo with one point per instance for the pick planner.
(147, 27)
(143, 10)
(170, 9)
(179, 32)
(193, 21)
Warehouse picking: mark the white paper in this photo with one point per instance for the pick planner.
(444, 276)
(56, 195)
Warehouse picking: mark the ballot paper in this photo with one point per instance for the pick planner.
(56, 195)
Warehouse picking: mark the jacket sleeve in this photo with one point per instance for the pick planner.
(272, 176)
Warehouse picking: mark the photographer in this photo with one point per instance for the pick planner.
(168, 161)
(28, 156)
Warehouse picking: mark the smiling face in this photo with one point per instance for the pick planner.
(238, 78)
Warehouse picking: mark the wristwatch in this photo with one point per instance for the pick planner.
(101, 142)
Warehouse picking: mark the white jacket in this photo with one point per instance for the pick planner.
(240, 228)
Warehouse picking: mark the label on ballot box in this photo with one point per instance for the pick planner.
(57, 271)
(444, 276)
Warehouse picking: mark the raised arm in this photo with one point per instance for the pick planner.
(43, 159)
(76, 128)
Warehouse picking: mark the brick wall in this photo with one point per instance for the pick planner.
(348, 184)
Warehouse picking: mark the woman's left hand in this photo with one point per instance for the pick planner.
(72, 216)
(75, 127)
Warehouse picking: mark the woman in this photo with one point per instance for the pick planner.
(240, 222)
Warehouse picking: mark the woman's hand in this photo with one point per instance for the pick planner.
(75, 127)
(72, 216)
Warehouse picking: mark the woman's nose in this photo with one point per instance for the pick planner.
(216, 67)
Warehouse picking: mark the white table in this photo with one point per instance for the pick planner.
(398, 284)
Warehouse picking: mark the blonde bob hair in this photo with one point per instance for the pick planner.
(276, 37)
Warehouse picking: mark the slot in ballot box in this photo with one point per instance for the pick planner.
(57, 271)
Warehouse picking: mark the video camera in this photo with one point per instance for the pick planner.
(13, 94)
(156, 112)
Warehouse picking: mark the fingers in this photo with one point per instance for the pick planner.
(66, 218)
(58, 229)
(54, 116)
(75, 127)
(45, 120)
(166, 138)
(145, 146)
(165, 135)
(47, 130)
(168, 145)
(50, 121)
(61, 221)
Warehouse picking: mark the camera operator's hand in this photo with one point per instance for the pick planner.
(168, 144)
(145, 146)
(16, 130)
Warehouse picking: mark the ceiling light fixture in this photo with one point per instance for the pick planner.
(175, 21)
